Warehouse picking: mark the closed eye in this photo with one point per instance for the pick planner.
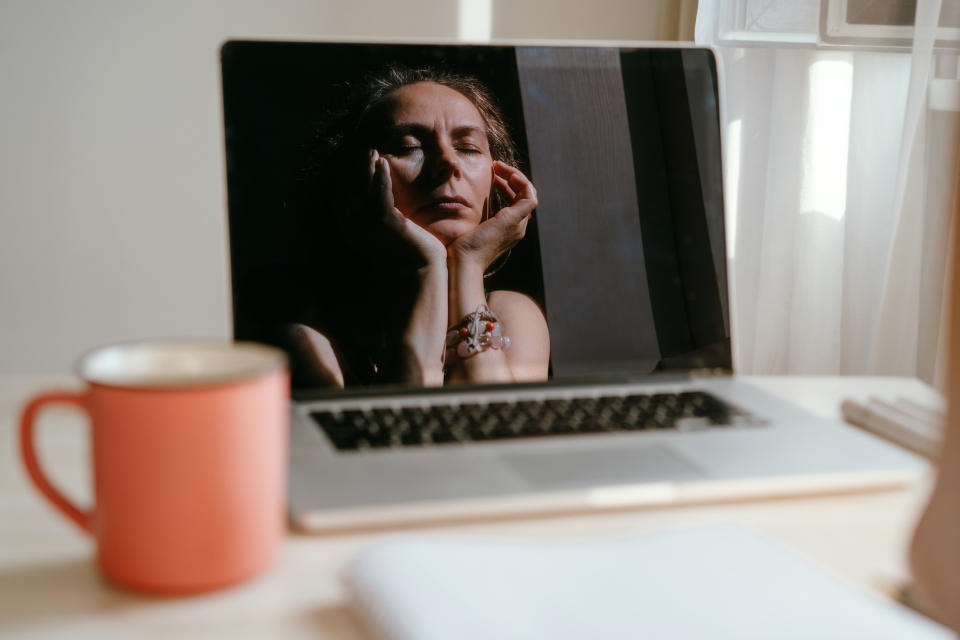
(402, 144)
(401, 150)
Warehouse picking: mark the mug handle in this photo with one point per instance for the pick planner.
(82, 519)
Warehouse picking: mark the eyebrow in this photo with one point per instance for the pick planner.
(402, 128)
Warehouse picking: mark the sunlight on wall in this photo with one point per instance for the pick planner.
(474, 20)
(826, 141)
(732, 144)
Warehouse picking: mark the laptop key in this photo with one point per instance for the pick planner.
(447, 424)
(560, 428)
(378, 437)
(414, 417)
(343, 436)
(411, 437)
(441, 436)
(502, 431)
(532, 429)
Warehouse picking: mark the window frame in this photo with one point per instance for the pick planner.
(835, 31)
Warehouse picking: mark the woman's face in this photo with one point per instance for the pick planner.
(440, 163)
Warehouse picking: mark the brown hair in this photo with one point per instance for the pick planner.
(336, 154)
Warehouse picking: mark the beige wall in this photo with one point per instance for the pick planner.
(112, 207)
(609, 19)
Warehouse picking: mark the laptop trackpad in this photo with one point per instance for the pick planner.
(601, 466)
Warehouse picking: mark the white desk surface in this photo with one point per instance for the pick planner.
(49, 587)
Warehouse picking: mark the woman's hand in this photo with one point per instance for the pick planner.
(492, 237)
(418, 356)
(394, 226)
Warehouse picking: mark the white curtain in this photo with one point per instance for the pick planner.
(840, 177)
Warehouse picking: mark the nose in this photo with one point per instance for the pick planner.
(445, 162)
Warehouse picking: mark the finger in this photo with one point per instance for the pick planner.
(378, 180)
(504, 186)
(515, 213)
(511, 216)
(383, 188)
(519, 211)
(372, 158)
(523, 226)
(518, 182)
(502, 168)
(523, 187)
(505, 170)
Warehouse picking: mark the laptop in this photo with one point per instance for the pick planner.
(618, 389)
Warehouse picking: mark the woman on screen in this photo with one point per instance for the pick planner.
(429, 200)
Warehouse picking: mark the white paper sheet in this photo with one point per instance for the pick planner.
(716, 583)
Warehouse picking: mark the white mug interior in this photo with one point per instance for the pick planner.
(175, 363)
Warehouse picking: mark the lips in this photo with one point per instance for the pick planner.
(447, 203)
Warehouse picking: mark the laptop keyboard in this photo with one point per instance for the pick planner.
(443, 424)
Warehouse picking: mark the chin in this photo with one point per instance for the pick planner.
(447, 231)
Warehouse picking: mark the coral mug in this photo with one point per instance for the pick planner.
(189, 448)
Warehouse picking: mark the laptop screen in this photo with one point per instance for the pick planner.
(454, 214)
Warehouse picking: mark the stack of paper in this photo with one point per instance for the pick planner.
(715, 583)
(904, 421)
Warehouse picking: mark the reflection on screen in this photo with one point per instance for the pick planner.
(620, 270)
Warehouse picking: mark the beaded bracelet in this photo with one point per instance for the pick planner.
(477, 332)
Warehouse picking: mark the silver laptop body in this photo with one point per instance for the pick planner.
(633, 283)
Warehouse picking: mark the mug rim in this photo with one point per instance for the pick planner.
(261, 359)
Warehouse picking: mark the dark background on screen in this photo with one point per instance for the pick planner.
(275, 93)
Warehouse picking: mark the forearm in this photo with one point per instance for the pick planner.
(466, 294)
(420, 357)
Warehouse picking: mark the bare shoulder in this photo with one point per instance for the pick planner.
(524, 322)
(314, 362)
(512, 305)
